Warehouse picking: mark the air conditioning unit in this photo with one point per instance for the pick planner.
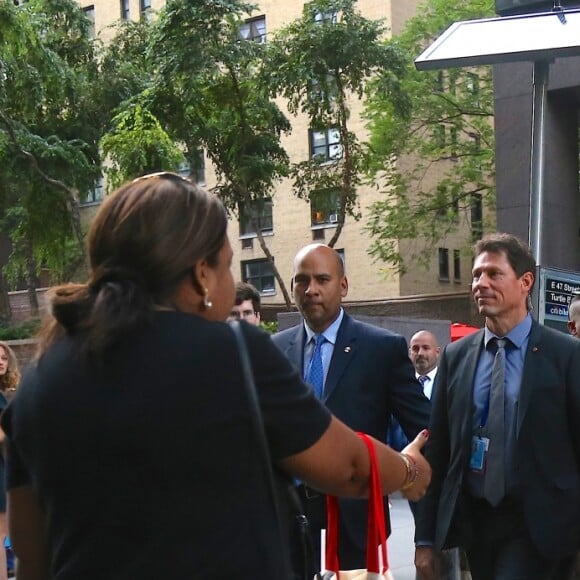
(333, 218)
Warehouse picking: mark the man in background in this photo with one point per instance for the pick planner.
(424, 351)
(247, 306)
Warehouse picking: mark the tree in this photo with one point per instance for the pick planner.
(207, 95)
(137, 145)
(319, 63)
(48, 134)
(438, 162)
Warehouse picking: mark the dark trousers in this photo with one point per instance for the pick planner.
(351, 556)
(501, 547)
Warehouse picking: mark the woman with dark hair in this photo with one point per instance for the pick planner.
(132, 453)
(9, 378)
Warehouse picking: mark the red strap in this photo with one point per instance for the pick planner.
(376, 527)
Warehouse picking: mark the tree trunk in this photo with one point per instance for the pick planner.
(277, 275)
(256, 227)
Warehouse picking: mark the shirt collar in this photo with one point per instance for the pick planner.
(330, 333)
(431, 374)
(517, 335)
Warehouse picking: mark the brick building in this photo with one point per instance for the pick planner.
(290, 224)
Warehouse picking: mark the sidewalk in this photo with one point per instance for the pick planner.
(400, 544)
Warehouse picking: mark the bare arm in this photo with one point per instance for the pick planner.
(338, 464)
(27, 528)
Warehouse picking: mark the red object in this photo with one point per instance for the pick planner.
(459, 330)
(376, 527)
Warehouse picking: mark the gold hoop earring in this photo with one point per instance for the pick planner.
(207, 303)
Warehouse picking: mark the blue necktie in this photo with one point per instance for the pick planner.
(315, 376)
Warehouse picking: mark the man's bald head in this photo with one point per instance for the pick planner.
(319, 285)
(424, 351)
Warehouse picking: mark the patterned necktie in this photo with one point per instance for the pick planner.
(494, 484)
(423, 379)
(315, 376)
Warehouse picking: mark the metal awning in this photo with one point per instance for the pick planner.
(530, 37)
(539, 38)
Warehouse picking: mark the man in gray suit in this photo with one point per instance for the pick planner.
(510, 496)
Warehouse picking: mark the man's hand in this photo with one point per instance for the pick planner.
(425, 562)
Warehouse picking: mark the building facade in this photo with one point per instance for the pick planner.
(288, 222)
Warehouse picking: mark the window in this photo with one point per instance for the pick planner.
(256, 214)
(456, 265)
(324, 89)
(340, 252)
(125, 12)
(453, 142)
(325, 144)
(443, 264)
(254, 29)
(96, 194)
(195, 171)
(90, 15)
(324, 207)
(261, 274)
(476, 217)
(447, 208)
(472, 84)
(145, 9)
(318, 235)
(325, 17)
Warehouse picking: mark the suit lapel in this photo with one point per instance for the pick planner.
(294, 350)
(469, 358)
(531, 372)
(344, 352)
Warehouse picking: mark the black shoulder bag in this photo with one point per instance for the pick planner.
(258, 424)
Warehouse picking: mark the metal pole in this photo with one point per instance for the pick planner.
(540, 91)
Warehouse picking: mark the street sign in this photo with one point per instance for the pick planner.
(555, 291)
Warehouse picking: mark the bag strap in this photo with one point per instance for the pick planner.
(376, 526)
(260, 432)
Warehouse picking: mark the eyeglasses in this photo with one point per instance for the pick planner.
(243, 314)
(168, 174)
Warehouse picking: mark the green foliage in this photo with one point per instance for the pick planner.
(49, 131)
(207, 95)
(26, 330)
(125, 67)
(438, 160)
(270, 327)
(137, 145)
(319, 63)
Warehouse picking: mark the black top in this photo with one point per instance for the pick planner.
(148, 466)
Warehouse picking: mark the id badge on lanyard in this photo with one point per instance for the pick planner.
(479, 445)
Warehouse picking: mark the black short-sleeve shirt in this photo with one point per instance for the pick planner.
(147, 464)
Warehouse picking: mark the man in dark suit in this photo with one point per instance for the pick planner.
(366, 375)
(509, 495)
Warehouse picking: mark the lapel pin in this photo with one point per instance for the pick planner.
(535, 349)
(347, 349)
